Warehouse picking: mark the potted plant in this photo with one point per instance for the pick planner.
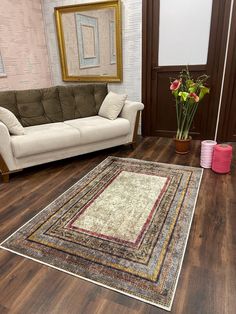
(188, 92)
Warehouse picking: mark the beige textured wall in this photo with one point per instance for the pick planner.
(23, 45)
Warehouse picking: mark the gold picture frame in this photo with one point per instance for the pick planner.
(85, 39)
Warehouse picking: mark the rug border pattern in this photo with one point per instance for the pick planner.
(168, 308)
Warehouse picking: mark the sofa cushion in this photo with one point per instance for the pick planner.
(96, 128)
(30, 107)
(100, 92)
(44, 138)
(88, 98)
(85, 105)
(51, 104)
(67, 100)
(8, 101)
(11, 122)
(81, 100)
(112, 105)
(39, 106)
(54, 104)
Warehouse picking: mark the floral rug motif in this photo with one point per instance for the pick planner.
(124, 226)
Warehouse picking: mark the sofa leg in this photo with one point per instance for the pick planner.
(133, 145)
(4, 170)
(5, 177)
(134, 141)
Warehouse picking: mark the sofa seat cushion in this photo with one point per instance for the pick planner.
(96, 128)
(44, 138)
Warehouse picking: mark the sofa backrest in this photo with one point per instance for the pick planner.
(54, 104)
(38, 106)
(79, 101)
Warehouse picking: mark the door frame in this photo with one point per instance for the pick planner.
(214, 66)
(229, 83)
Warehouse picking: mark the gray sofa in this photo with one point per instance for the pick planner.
(61, 122)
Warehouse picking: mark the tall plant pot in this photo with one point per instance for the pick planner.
(182, 146)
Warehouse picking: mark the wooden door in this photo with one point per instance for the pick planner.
(159, 117)
(227, 118)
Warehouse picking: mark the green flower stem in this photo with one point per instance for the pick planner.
(179, 109)
(186, 113)
(192, 115)
(177, 112)
(187, 125)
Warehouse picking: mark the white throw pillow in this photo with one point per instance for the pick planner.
(11, 122)
(112, 105)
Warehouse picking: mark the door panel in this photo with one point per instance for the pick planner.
(164, 115)
(159, 118)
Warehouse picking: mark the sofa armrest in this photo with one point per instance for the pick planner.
(131, 112)
(6, 156)
(130, 109)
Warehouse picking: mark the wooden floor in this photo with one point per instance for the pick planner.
(207, 282)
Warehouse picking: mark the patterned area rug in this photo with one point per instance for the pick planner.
(124, 226)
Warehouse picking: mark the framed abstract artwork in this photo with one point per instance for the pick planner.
(89, 38)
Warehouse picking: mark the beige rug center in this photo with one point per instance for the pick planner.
(122, 209)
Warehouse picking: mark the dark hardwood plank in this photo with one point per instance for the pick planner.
(207, 282)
